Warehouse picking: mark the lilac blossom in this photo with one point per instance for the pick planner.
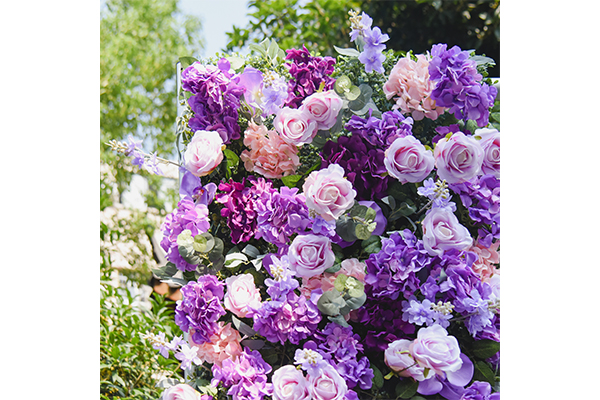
(309, 359)
(373, 42)
(419, 313)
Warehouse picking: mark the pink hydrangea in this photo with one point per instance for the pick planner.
(409, 82)
(486, 258)
(224, 344)
(269, 154)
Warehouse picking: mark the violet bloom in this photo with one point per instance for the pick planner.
(187, 356)
(191, 186)
(245, 376)
(418, 313)
(239, 209)
(479, 391)
(200, 308)
(381, 132)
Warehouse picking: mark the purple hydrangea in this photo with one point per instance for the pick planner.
(479, 391)
(308, 73)
(418, 313)
(476, 308)
(392, 271)
(187, 215)
(245, 376)
(200, 308)
(215, 100)
(457, 86)
(381, 132)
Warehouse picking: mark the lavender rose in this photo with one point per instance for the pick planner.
(458, 158)
(442, 231)
(397, 356)
(310, 255)
(289, 383)
(408, 160)
(295, 125)
(490, 142)
(323, 108)
(328, 193)
(181, 391)
(436, 350)
(204, 153)
(329, 385)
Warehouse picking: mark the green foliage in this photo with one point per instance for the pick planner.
(129, 366)
(140, 42)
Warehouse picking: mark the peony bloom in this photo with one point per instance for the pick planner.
(442, 231)
(204, 153)
(459, 158)
(290, 383)
(328, 193)
(182, 391)
(269, 154)
(242, 295)
(486, 258)
(408, 160)
(410, 84)
(223, 344)
(323, 108)
(295, 125)
(490, 142)
(310, 255)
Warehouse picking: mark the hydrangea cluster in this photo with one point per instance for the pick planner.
(372, 39)
(308, 73)
(215, 99)
(381, 132)
(245, 376)
(200, 308)
(456, 85)
(239, 210)
(187, 215)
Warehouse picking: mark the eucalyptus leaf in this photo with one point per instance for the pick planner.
(251, 251)
(406, 388)
(189, 255)
(241, 326)
(340, 282)
(339, 319)
(185, 238)
(330, 302)
(347, 52)
(236, 62)
(204, 242)
(362, 231)
(342, 84)
(352, 94)
(372, 245)
(356, 302)
(345, 227)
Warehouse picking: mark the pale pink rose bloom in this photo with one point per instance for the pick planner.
(182, 391)
(328, 193)
(435, 349)
(442, 231)
(458, 158)
(408, 160)
(269, 154)
(295, 126)
(353, 267)
(486, 258)
(397, 357)
(328, 386)
(289, 383)
(204, 153)
(323, 282)
(409, 82)
(224, 344)
(310, 255)
(323, 108)
(241, 295)
(490, 142)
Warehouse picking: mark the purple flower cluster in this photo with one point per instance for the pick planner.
(481, 196)
(187, 215)
(457, 84)
(192, 187)
(245, 376)
(308, 73)
(215, 99)
(280, 215)
(341, 347)
(239, 209)
(381, 133)
(392, 271)
(200, 308)
(372, 55)
(479, 391)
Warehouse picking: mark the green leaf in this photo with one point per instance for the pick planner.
(203, 242)
(185, 238)
(273, 50)
(363, 98)
(291, 180)
(258, 48)
(189, 255)
(236, 62)
(347, 52)
(342, 84)
(406, 388)
(362, 231)
(356, 302)
(485, 348)
(340, 320)
(187, 61)
(372, 245)
(377, 377)
(352, 94)
(330, 302)
(483, 372)
(346, 228)
(340, 282)
(232, 158)
(334, 269)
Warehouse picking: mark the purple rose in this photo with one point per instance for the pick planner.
(408, 160)
(310, 255)
(289, 383)
(442, 231)
(458, 158)
(490, 142)
(328, 193)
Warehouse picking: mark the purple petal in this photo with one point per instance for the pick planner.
(430, 386)
(463, 375)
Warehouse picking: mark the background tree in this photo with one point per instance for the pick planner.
(140, 42)
(416, 24)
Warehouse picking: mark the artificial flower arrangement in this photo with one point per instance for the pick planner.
(338, 231)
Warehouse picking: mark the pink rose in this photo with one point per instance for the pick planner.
(459, 158)
(442, 231)
(490, 142)
(408, 160)
(435, 349)
(328, 193)
(329, 385)
(295, 126)
(310, 255)
(223, 345)
(323, 108)
(289, 383)
(204, 153)
(353, 267)
(397, 356)
(181, 391)
(486, 258)
(241, 295)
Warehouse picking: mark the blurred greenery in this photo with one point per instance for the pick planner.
(411, 24)
(140, 42)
